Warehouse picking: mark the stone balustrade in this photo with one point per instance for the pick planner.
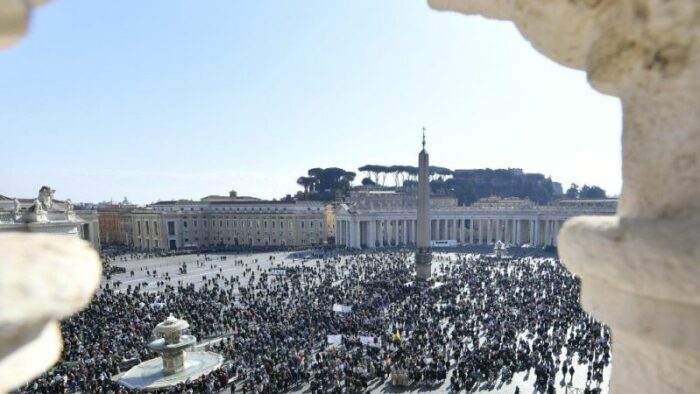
(640, 270)
(43, 278)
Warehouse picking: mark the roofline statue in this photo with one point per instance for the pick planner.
(39, 210)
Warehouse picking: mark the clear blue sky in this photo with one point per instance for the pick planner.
(179, 99)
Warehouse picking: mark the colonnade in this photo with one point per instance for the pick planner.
(357, 232)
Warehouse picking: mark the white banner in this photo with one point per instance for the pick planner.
(342, 308)
(371, 341)
(334, 339)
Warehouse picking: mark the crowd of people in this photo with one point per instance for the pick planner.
(342, 323)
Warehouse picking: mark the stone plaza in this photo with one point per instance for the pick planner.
(204, 270)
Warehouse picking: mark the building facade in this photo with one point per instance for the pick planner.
(110, 226)
(371, 219)
(226, 221)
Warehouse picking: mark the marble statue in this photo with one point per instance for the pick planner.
(70, 214)
(16, 212)
(42, 205)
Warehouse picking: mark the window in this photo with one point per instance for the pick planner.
(155, 228)
(195, 223)
(138, 228)
(148, 229)
(171, 228)
(184, 224)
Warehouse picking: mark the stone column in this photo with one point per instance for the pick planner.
(348, 240)
(488, 231)
(640, 270)
(372, 234)
(337, 234)
(405, 232)
(471, 231)
(481, 238)
(395, 230)
(381, 233)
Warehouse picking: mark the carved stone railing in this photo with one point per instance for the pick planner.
(641, 269)
(43, 278)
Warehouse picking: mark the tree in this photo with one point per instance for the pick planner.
(592, 192)
(412, 173)
(371, 170)
(441, 172)
(572, 192)
(325, 183)
(367, 181)
(306, 182)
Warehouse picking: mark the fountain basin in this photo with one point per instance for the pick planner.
(150, 375)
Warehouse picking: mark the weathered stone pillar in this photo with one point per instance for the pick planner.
(640, 269)
(481, 232)
(471, 231)
(339, 232)
(488, 231)
(381, 233)
(395, 230)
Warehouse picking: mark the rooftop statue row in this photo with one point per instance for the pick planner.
(43, 209)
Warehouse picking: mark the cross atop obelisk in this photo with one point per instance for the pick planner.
(423, 138)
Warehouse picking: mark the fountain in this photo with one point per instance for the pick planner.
(173, 343)
(174, 366)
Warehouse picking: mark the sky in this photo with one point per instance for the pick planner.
(165, 99)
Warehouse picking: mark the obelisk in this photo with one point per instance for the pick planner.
(423, 253)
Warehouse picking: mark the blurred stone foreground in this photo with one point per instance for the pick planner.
(43, 279)
(640, 270)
